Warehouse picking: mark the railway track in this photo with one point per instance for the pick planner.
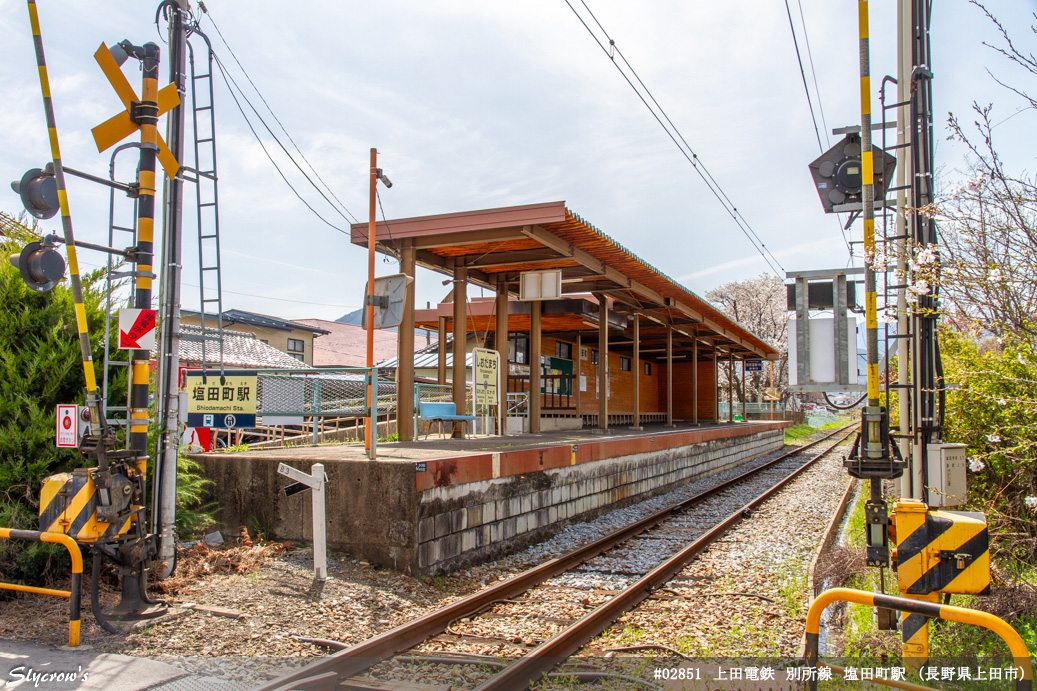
(520, 629)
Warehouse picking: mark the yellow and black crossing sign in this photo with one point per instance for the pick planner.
(68, 504)
(117, 128)
(941, 551)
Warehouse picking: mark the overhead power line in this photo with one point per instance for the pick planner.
(657, 111)
(323, 188)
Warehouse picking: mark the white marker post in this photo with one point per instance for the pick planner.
(314, 481)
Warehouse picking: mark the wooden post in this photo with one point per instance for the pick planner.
(745, 416)
(637, 372)
(405, 350)
(441, 351)
(695, 381)
(534, 367)
(603, 362)
(669, 376)
(716, 384)
(576, 381)
(460, 387)
(730, 386)
(500, 343)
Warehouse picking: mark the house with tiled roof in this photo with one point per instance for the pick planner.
(240, 349)
(345, 345)
(291, 337)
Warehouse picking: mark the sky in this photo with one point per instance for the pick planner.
(476, 105)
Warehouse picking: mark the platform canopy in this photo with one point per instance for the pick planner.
(496, 245)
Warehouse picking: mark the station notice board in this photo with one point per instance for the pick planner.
(226, 402)
(487, 376)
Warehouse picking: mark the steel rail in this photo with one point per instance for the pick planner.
(551, 652)
(362, 656)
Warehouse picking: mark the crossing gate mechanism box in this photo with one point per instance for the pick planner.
(945, 464)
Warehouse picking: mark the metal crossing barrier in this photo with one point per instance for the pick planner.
(73, 595)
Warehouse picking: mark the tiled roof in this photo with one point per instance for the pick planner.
(345, 345)
(239, 350)
(235, 316)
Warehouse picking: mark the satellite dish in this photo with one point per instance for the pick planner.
(389, 297)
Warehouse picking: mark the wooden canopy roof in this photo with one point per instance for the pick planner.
(496, 245)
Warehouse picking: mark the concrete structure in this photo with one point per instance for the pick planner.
(428, 508)
(644, 321)
(293, 338)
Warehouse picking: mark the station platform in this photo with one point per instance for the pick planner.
(438, 504)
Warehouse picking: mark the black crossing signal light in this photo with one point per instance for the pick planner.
(40, 264)
(39, 192)
(837, 174)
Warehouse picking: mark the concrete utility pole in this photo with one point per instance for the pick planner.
(369, 302)
(167, 442)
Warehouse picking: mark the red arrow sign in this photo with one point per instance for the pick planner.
(142, 326)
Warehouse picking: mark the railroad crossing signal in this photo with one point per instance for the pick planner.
(40, 265)
(39, 192)
(117, 128)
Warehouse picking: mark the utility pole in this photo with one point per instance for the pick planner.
(910, 485)
(167, 442)
(369, 303)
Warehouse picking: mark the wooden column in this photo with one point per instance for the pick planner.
(745, 415)
(500, 343)
(441, 351)
(669, 376)
(405, 351)
(534, 366)
(603, 362)
(460, 330)
(695, 381)
(637, 372)
(730, 386)
(716, 385)
(577, 371)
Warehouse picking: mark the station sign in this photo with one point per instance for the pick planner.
(225, 402)
(68, 426)
(753, 365)
(486, 367)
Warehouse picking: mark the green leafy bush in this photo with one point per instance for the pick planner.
(992, 407)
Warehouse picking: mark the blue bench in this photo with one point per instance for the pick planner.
(440, 412)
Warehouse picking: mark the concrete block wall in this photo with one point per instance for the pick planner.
(468, 522)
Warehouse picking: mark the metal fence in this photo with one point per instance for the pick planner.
(755, 410)
(338, 392)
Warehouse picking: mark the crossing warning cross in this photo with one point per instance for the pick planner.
(115, 129)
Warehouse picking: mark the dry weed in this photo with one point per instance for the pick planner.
(201, 561)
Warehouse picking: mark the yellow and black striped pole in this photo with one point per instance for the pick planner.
(868, 215)
(93, 402)
(146, 116)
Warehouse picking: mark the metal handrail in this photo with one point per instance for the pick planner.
(73, 594)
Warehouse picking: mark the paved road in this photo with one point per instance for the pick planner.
(82, 668)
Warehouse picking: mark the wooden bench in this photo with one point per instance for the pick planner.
(440, 412)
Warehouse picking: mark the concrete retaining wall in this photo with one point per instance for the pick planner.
(466, 523)
(424, 517)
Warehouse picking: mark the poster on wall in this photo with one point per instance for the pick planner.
(583, 383)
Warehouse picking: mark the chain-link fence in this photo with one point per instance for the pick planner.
(338, 392)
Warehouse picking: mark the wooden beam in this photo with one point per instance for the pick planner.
(564, 248)
(669, 378)
(471, 237)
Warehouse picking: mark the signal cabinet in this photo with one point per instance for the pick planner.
(945, 464)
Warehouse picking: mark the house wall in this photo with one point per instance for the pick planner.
(274, 338)
(621, 385)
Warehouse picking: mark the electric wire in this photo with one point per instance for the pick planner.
(255, 134)
(278, 121)
(678, 139)
(813, 73)
(803, 75)
(810, 102)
